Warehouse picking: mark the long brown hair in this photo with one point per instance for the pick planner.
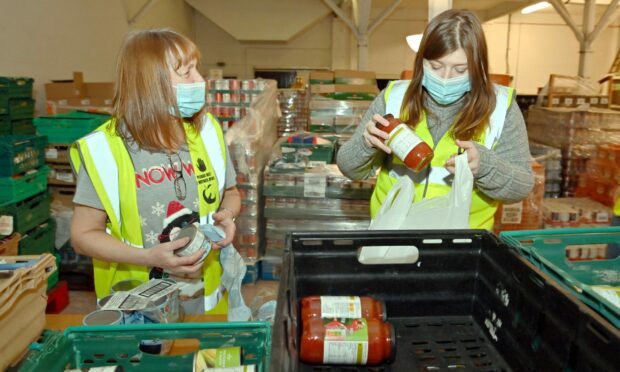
(143, 93)
(443, 35)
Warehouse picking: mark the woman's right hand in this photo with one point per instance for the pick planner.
(375, 137)
(163, 256)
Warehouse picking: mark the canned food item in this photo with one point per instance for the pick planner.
(225, 97)
(219, 97)
(197, 241)
(103, 317)
(233, 84)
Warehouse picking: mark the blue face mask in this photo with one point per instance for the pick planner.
(445, 91)
(190, 98)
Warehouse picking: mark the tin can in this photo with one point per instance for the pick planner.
(197, 241)
(233, 84)
(219, 97)
(225, 97)
(103, 317)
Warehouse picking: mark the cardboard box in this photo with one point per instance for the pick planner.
(346, 91)
(355, 77)
(69, 95)
(321, 77)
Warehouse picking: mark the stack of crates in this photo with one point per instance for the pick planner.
(24, 198)
(62, 130)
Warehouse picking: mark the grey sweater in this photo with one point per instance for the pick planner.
(505, 172)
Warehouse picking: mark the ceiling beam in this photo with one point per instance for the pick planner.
(611, 13)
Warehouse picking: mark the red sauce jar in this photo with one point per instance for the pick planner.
(347, 341)
(405, 144)
(342, 307)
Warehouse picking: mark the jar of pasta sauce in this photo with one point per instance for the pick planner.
(342, 307)
(405, 144)
(347, 341)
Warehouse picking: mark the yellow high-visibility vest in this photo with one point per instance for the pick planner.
(439, 179)
(105, 158)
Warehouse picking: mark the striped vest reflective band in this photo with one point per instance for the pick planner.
(439, 179)
(108, 164)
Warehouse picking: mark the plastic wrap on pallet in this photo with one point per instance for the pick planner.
(335, 116)
(601, 178)
(575, 212)
(294, 109)
(296, 180)
(526, 214)
(277, 228)
(250, 142)
(561, 127)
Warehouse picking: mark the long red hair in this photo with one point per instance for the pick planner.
(143, 96)
(443, 35)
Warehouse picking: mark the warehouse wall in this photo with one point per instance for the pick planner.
(540, 44)
(51, 39)
(309, 49)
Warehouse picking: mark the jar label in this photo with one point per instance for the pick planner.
(346, 341)
(402, 140)
(341, 307)
(512, 213)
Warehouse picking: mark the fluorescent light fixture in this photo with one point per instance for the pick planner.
(414, 41)
(535, 7)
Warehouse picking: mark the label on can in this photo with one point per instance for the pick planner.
(512, 213)
(341, 307)
(346, 341)
(402, 140)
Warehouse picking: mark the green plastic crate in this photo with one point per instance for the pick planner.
(23, 127)
(5, 125)
(98, 346)
(29, 213)
(39, 240)
(21, 108)
(55, 276)
(547, 250)
(16, 188)
(16, 86)
(19, 154)
(69, 127)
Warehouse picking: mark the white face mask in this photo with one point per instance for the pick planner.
(190, 98)
(445, 91)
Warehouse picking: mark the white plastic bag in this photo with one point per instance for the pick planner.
(398, 212)
(446, 212)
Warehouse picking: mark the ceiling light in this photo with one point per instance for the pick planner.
(414, 41)
(535, 7)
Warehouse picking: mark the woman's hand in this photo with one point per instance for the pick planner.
(473, 157)
(224, 220)
(375, 137)
(163, 256)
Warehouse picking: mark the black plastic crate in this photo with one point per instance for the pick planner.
(469, 303)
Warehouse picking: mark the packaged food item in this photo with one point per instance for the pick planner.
(347, 341)
(342, 307)
(217, 358)
(406, 145)
(197, 240)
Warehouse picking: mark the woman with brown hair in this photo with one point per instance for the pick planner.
(451, 104)
(159, 165)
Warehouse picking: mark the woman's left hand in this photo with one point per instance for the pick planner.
(223, 219)
(473, 157)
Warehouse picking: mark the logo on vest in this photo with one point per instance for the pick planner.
(209, 199)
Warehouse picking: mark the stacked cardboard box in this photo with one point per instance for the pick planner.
(526, 214)
(602, 177)
(71, 95)
(576, 133)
